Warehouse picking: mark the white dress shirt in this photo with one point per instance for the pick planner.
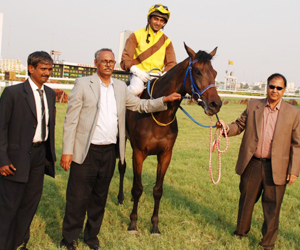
(106, 130)
(38, 131)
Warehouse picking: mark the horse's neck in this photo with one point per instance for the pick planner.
(172, 81)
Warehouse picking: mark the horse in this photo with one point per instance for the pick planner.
(155, 134)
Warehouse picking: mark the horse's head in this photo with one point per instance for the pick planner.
(202, 76)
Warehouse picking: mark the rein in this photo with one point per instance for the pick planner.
(217, 142)
(157, 122)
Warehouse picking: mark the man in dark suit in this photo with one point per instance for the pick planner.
(27, 119)
(269, 157)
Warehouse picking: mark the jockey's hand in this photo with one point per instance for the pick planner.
(143, 75)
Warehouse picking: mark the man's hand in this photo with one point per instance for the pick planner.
(172, 97)
(143, 75)
(7, 170)
(219, 125)
(65, 161)
(291, 178)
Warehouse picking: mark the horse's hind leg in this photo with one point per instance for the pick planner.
(137, 188)
(163, 164)
(122, 169)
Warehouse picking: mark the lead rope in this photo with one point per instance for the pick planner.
(217, 142)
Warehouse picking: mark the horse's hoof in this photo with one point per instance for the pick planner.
(132, 232)
(120, 202)
(155, 232)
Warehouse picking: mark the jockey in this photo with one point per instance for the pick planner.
(148, 48)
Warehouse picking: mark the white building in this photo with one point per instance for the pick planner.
(230, 81)
(123, 37)
(1, 29)
(290, 87)
(11, 65)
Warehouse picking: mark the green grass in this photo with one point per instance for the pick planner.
(194, 213)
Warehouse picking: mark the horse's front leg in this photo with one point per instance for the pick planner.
(137, 187)
(163, 164)
(122, 170)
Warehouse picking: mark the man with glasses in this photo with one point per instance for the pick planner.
(269, 157)
(148, 48)
(94, 130)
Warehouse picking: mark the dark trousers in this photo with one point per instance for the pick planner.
(257, 180)
(87, 193)
(19, 202)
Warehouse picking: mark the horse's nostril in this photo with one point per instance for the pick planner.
(213, 104)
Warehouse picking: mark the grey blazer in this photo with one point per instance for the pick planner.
(83, 110)
(285, 155)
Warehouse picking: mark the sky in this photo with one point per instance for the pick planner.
(261, 37)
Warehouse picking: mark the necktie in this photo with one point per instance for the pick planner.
(43, 134)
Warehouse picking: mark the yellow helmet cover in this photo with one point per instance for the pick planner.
(159, 10)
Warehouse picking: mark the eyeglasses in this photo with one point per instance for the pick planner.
(275, 87)
(159, 5)
(110, 62)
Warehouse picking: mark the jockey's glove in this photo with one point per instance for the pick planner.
(143, 75)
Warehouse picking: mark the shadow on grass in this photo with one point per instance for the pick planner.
(178, 200)
(52, 206)
(201, 211)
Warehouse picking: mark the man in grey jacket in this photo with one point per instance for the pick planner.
(94, 127)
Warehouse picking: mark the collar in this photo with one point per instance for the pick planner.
(278, 105)
(151, 31)
(103, 84)
(33, 85)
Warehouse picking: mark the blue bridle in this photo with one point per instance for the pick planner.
(198, 92)
(193, 85)
(193, 88)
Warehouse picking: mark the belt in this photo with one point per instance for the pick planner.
(103, 145)
(37, 144)
(262, 159)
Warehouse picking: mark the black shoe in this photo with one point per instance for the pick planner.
(23, 247)
(68, 246)
(93, 246)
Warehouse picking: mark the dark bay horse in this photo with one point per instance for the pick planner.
(149, 138)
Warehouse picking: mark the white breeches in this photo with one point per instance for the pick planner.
(136, 85)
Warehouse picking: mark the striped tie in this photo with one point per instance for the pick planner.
(43, 134)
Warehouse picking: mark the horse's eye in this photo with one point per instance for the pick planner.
(197, 72)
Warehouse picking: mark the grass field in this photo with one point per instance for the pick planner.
(194, 213)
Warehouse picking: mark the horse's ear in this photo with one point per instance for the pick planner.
(213, 52)
(190, 52)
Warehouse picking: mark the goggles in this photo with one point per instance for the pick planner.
(158, 6)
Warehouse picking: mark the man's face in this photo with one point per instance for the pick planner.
(40, 74)
(156, 23)
(274, 95)
(105, 63)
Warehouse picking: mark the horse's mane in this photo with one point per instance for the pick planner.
(202, 56)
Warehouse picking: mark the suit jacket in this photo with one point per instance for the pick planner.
(83, 110)
(285, 149)
(17, 128)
